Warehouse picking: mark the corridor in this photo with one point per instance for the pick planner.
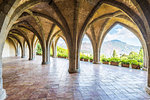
(29, 80)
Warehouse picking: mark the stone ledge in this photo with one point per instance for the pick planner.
(3, 94)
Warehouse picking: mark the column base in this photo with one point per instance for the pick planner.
(45, 63)
(71, 71)
(31, 59)
(147, 90)
(2, 94)
(22, 56)
(96, 62)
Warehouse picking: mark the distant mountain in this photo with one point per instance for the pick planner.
(119, 46)
(107, 47)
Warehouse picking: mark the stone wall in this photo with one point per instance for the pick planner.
(9, 49)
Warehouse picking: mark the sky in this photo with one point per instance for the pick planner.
(121, 33)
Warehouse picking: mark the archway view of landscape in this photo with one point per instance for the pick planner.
(74, 49)
(62, 50)
(86, 52)
(121, 46)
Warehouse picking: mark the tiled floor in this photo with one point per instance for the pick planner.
(29, 80)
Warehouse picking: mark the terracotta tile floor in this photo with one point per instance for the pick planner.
(29, 80)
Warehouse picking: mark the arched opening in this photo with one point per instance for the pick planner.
(120, 45)
(86, 52)
(10, 49)
(26, 50)
(61, 48)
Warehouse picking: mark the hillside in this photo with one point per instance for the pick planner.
(108, 47)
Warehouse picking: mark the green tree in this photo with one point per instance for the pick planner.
(141, 55)
(141, 52)
(114, 53)
(133, 55)
(38, 49)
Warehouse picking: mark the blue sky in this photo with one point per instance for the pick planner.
(121, 33)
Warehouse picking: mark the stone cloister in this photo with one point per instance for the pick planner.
(24, 23)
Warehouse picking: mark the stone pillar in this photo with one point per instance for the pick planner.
(54, 51)
(96, 55)
(45, 55)
(73, 59)
(2, 91)
(148, 82)
(31, 57)
(17, 50)
(148, 71)
(23, 52)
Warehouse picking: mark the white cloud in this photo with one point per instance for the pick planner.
(124, 35)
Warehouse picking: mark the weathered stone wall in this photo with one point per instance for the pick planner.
(9, 49)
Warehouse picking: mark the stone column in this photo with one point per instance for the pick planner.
(31, 57)
(2, 91)
(73, 59)
(148, 71)
(45, 55)
(148, 82)
(96, 55)
(54, 51)
(17, 50)
(23, 52)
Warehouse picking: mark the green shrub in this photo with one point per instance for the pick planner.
(105, 60)
(134, 62)
(113, 59)
(125, 61)
(91, 58)
(61, 52)
(38, 49)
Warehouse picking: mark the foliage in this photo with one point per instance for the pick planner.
(91, 58)
(115, 54)
(114, 59)
(38, 49)
(134, 62)
(105, 60)
(125, 61)
(61, 52)
(83, 56)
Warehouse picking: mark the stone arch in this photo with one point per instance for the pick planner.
(13, 43)
(142, 41)
(91, 40)
(119, 5)
(18, 40)
(55, 41)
